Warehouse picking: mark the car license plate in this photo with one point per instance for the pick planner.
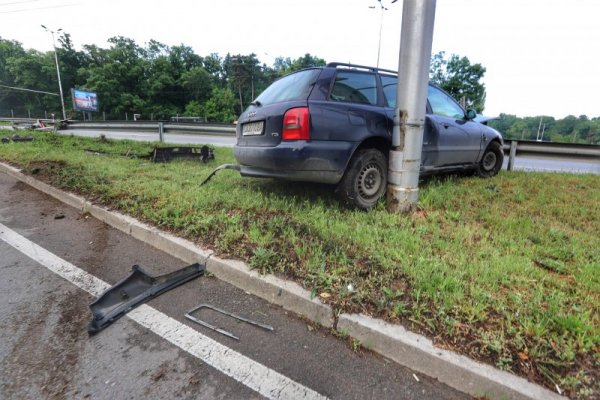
(252, 128)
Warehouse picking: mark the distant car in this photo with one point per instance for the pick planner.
(333, 125)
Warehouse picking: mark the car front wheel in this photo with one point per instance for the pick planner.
(491, 162)
(365, 179)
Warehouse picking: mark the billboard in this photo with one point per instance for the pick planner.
(84, 101)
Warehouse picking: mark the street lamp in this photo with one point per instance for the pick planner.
(383, 8)
(62, 99)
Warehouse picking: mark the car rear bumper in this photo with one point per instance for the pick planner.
(310, 161)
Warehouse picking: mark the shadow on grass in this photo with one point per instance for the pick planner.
(300, 194)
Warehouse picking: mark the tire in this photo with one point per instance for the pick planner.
(491, 162)
(365, 179)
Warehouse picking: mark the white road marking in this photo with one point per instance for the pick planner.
(250, 373)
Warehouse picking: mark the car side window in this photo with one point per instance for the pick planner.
(355, 87)
(390, 84)
(442, 104)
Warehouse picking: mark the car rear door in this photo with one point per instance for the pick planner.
(350, 111)
(389, 84)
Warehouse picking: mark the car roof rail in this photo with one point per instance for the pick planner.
(372, 69)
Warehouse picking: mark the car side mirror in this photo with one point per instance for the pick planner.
(471, 114)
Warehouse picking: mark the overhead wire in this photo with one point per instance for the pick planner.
(18, 2)
(29, 90)
(38, 8)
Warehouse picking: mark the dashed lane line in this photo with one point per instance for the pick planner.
(263, 380)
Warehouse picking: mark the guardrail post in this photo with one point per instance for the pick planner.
(161, 131)
(512, 154)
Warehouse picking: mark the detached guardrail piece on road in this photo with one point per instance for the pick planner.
(135, 290)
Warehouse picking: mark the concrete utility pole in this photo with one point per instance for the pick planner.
(409, 117)
(62, 97)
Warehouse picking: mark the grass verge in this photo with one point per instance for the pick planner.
(505, 270)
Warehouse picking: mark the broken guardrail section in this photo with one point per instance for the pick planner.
(135, 290)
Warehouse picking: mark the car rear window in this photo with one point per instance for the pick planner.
(296, 86)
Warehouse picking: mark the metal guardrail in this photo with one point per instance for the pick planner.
(169, 127)
(22, 120)
(551, 148)
(588, 152)
(511, 147)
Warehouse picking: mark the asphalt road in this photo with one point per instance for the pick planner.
(45, 350)
(522, 163)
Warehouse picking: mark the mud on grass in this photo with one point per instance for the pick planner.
(503, 270)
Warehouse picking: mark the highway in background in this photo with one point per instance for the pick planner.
(522, 163)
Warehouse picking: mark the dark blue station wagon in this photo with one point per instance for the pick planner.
(333, 125)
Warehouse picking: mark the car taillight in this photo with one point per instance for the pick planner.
(296, 124)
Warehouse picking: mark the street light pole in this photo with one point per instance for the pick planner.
(383, 8)
(409, 116)
(62, 99)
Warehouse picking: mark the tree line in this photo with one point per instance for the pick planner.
(159, 81)
(156, 81)
(570, 129)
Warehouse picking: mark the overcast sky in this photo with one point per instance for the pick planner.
(542, 56)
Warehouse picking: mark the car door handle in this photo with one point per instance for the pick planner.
(446, 125)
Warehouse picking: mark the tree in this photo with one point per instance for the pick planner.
(221, 107)
(192, 109)
(213, 64)
(460, 78)
(117, 75)
(242, 72)
(198, 84)
(9, 50)
(284, 66)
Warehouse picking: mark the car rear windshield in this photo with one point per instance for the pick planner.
(296, 86)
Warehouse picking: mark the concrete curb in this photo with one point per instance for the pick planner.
(393, 341)
(418, 352)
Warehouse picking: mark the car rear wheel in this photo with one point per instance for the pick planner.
(491, 162)
(365, 179)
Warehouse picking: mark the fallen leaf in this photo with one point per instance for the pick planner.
(325, 295)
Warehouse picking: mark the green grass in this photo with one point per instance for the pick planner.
(505, 270)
